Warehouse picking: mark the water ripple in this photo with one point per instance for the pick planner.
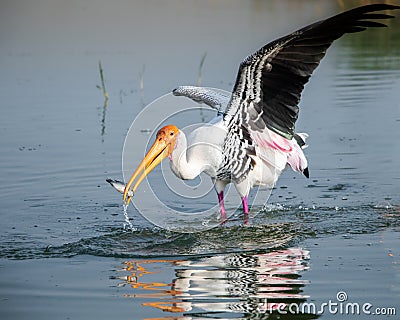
(277, 226)
(218, 286)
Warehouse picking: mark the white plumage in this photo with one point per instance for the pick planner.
(252, 139)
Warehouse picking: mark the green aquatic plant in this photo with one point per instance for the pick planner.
(103, 86)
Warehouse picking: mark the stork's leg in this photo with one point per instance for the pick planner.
(245, 210)
(243, 188)
(219, 186)
(221, 206)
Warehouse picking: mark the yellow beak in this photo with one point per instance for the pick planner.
(161, 148)
(156, 154)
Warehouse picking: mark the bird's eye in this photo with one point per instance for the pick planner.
(171, 133)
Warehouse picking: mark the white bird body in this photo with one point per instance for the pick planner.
(202, 151)
(252, 139)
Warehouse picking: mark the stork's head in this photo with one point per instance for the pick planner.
(161, 148)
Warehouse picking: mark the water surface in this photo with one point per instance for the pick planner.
(62, 235)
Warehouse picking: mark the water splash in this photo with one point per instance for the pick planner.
(278, 226)
(128, 224)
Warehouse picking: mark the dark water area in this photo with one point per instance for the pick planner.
(64, 251)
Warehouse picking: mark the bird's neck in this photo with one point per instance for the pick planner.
(181, 164)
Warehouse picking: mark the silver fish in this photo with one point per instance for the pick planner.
(119, 186)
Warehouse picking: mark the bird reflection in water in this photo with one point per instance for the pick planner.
(223, 286)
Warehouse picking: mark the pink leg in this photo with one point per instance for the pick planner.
(221, 205)
(246, 210)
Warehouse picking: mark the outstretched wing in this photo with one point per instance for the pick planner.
(209, 96)
(270, 82)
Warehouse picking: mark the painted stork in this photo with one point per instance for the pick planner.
(252, 139)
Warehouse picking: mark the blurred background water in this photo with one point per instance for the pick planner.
(59, 144)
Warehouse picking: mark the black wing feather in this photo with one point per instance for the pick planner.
(291, 61)
(271, 80)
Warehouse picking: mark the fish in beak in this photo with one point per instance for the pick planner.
(161, 148)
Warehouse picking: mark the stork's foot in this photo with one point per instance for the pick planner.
(222, 217)
(246, 211)
(246, 220)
